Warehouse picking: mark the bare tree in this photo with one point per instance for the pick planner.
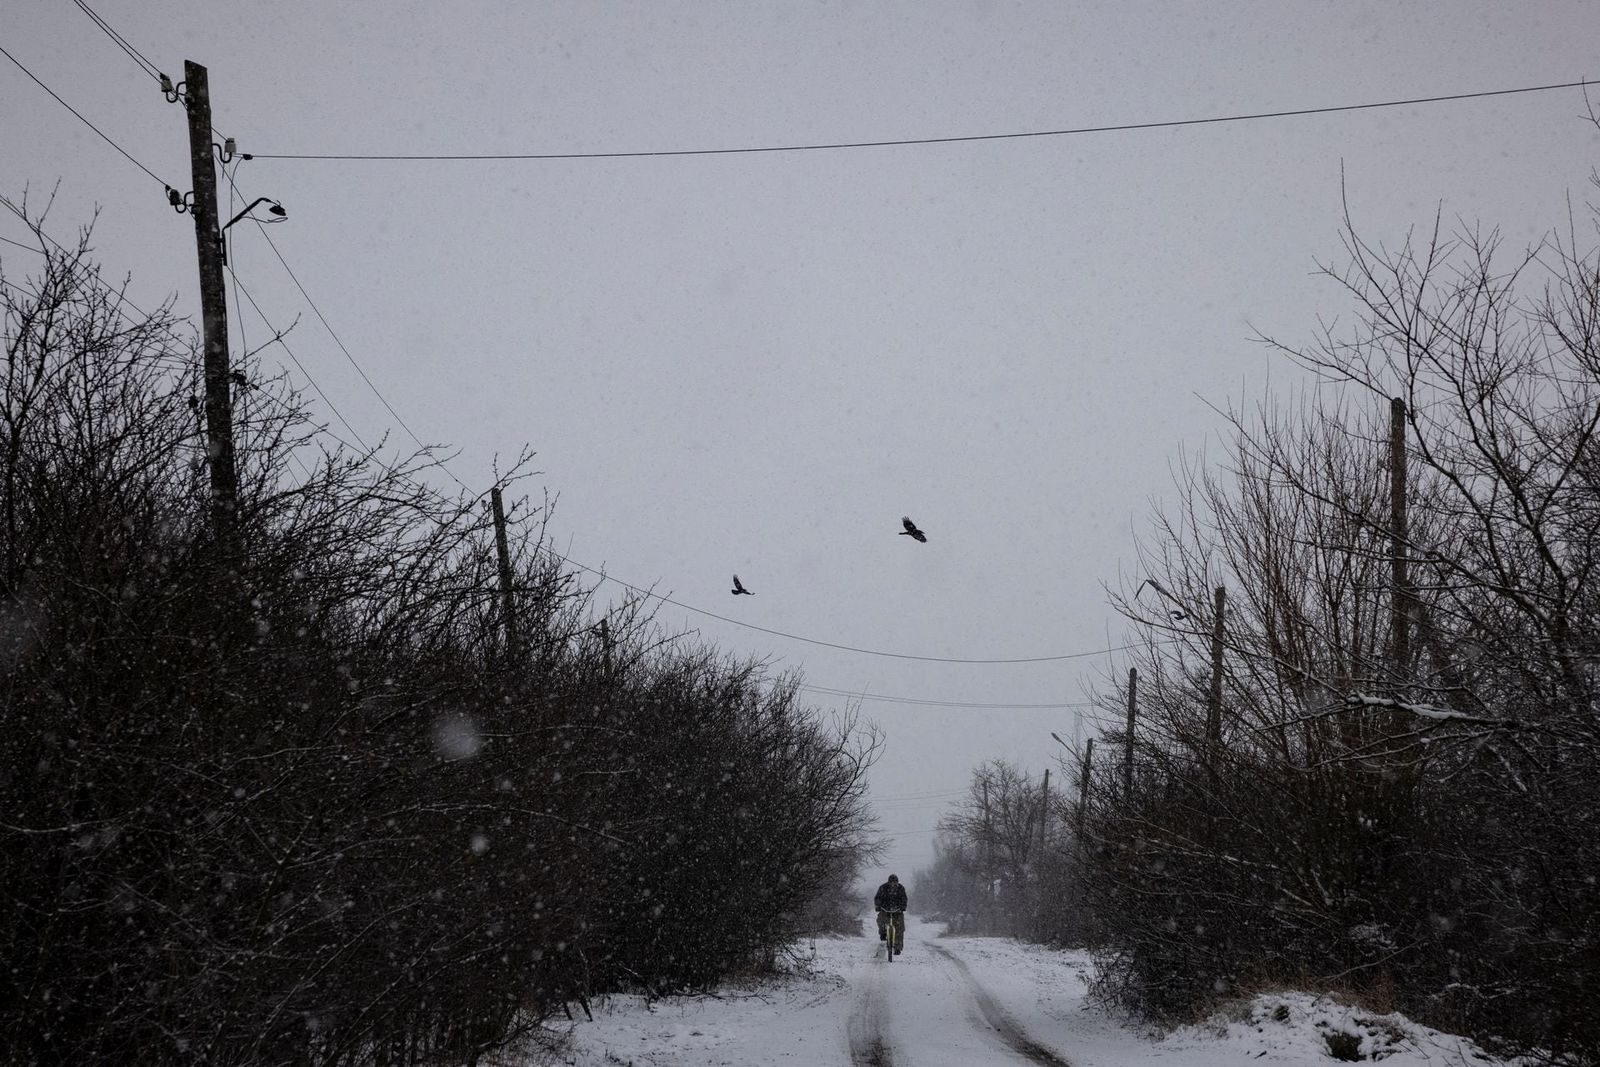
(1412, 817)
(988, 850)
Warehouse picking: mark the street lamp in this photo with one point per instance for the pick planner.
(276, 209)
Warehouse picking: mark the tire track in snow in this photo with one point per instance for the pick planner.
(1012, 1034)
(865, 1028)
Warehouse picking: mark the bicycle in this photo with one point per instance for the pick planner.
(896, 929)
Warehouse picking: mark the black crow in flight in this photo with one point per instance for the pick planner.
(912, 531)
(739, 589)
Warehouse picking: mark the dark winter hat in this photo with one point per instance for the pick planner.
(894, 878)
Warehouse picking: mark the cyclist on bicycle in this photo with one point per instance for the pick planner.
(890, 901)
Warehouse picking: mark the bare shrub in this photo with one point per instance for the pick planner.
(297, 799)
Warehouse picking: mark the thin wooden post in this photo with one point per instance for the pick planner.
(988, 849)
(1083, 788)
(508, 614)
(1399, 591)
(1044, 814)
(1127, 754)
(1214, 704)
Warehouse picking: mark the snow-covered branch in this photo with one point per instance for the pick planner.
(1427, 711)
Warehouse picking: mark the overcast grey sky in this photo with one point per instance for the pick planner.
(758, 363)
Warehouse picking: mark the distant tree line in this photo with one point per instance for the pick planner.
(299, 800)
(991, 851)
(1395, 792)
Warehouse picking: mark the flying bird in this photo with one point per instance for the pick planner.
(912, 531)
(739, 589)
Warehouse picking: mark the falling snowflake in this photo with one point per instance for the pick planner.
(456, 737)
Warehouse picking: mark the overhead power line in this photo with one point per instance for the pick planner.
(649, 594)
(903, 141)
(343, 348)
(856, 695)
(279, 339)
(142, 61)
(830, 644)
(82, 119)
(326, 325)
(19, 244)
(122, 296)
(122, 300)
(923, 796)
(121, 42)
(601, 574)
(360, 446)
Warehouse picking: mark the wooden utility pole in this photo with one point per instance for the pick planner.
(508, 614)
(1044, 814)
(605, 645)
(1399, 591)
(214, 309)
(1127, 753)
(1083, 788)
(1214, 703)
(988, 847)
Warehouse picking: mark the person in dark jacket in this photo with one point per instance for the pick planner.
(890, 900)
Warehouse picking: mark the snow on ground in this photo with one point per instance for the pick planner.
(963, 1001)
(1302, 1028)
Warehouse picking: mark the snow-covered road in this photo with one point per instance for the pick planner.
(928, 1007)
(965, 1001)
(935, 1005)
